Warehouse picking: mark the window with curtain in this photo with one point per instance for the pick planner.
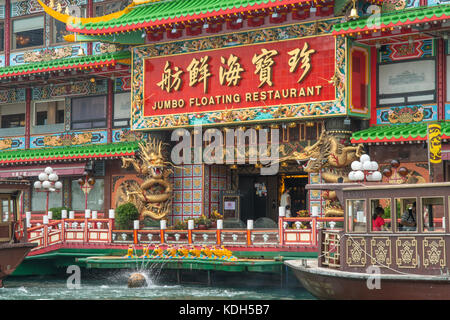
(95, 198)
(38, 200)
(28, 32)
(89, 112)
(12, 115)
(48, 112)
(407, 82)
(122, 106)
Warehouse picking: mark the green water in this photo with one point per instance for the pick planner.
(114, 286)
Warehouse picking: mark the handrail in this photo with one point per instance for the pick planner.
(89, 231)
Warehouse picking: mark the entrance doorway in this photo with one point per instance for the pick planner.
(296, 184)
(258, 197)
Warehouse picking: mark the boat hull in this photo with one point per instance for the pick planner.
(11, 255)
(332, 284)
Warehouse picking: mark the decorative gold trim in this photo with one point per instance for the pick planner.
(436, 252)
(406, 252)
(66, 18)
(381, 251)
(356, 252)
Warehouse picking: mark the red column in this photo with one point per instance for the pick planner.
(373, 86)
(110, 102)
(90, 14)
(7, 33)
(441, 67)
(28, 118)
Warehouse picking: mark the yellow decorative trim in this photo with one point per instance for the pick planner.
(125, 61)
(406, 252)
(66, 18)
(380, 251)
(434, 251)
(356, 252)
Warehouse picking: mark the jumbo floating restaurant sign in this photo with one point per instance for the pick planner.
(244, 77)
(263, 75)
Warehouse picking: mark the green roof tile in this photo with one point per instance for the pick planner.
(88, 151)
(405, 132)
(174, 9)
(65, 63)
(395, 17)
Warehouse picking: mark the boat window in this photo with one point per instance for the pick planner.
(433, 214)
(356, 216)
(406, 214)
(380, 210)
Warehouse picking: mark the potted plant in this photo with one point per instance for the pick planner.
(125, 215)
(57, 212)
(215, 215)
(201, 222)
(180, 225)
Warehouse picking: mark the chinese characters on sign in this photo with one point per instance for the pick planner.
(170, 80)
(305, 56)
(286, 72)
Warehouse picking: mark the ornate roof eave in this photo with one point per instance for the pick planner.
(85, 62)
(130, 20)
(110, 151)
(130, 38)
(402, 133)
(397, 19)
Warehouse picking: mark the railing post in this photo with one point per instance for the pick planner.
(135, 231)
(45, 235)
(163, 225)
(314, 231)
(87, 215)
(63, 225)
(28, 224)
(281, 215)
(249, 232)
(110, 224)
(190, 227)
(219, 231)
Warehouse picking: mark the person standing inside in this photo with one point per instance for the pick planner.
(286, 198)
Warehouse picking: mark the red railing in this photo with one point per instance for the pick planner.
(71, 231)
(303, 232)
(299, 235)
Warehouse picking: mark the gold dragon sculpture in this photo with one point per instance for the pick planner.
(153, 197)
(329, 157)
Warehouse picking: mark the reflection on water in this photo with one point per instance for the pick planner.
(114, 286)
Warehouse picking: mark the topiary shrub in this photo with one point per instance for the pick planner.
(57, 212)
(125, 215)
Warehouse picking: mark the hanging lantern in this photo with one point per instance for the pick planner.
(91, 181)
(402, 171)
(395, 163)
(387, 172)
(81, 182)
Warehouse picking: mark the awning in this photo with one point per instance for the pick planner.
(70, 154)
(69, 169)
(398, 133)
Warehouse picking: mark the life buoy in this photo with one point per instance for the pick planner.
(18, 232)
